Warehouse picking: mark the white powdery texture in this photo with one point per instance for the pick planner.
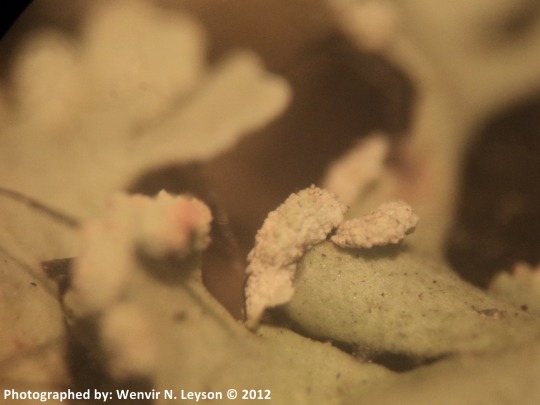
(389, 223)
(303, 220)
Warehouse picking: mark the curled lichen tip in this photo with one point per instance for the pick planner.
(388, 224)
(304, 219)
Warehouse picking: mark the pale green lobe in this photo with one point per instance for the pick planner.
(391, 300)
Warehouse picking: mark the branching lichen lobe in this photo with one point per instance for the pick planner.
(304, 219)
(389, 223)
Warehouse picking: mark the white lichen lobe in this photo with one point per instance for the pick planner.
(127, 337)
(162, 226)
(353, 173)
(171, 225)
(303, 220)
(389, 223)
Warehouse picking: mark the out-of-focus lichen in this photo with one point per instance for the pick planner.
(393, 300)
(33, 337)
(466, 63)
(128, 342)
(131, 94)
(134, 228)
(371, 24)
(160, 227)
(351, 175)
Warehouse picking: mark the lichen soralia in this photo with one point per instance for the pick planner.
(304, 219)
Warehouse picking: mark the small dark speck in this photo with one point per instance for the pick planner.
(524, 307)
(382, 294)
(180, 316)
(323, 254)
(338, 376)
(33, 284)
(434, 281)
